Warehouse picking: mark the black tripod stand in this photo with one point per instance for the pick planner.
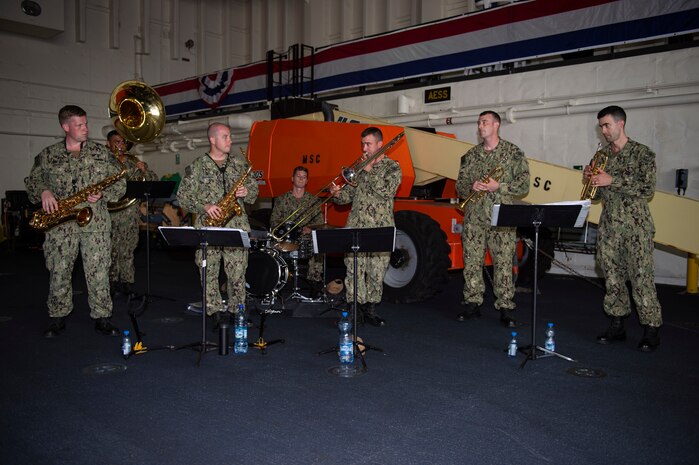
(202, 238)
(358, 240)
(551, 215)
(148, 190)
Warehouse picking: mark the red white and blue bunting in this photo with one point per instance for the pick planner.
(515, 32)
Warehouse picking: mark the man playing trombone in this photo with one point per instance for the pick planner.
(372, 207)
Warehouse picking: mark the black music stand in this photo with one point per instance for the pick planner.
(354, 240)
(566, 215)
(148, 190)
(203, 237)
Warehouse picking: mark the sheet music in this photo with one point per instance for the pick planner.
(579, 222)
(243, 234)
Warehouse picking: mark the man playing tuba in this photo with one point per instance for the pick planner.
(125, 215)
(60, 171)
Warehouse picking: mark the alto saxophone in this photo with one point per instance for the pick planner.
(598, 162)
(475, 196)
(66, 211)
(228, 204)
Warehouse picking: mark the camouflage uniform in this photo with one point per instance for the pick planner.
(626, 229)
(284, 205)
(206, 183)
(372, 207)
(477, 233)
(125, 230)
(55, 169)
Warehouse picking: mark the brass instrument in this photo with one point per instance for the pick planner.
(350, 175)
(598, 162)
(66, 211)
(125, 202)
(228, 204)
(138, 114)
(476, 196)
(136, 111)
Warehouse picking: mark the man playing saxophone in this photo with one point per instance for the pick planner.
(59, 171)
(477, 234)
(125, 220)
(206, 182)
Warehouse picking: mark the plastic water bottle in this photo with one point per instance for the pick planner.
(346, 349)
(512, 348)
(550, 342)
(241, 332)
(126, 344)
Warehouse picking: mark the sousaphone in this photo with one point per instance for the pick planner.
(136, 111)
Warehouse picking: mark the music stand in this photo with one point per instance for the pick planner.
(203, 237)
(563, 215)
(354, 240)
(147, 190)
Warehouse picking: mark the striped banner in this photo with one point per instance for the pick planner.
(516, 32)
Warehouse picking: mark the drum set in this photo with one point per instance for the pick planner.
(271, 263)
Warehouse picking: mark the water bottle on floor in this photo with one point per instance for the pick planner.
(346, 349)
(241, 332)
(550, 342)
(512, 347)
(126, 344)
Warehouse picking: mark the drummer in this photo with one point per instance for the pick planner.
(291, 201)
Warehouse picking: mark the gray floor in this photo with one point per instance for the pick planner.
(443, 392)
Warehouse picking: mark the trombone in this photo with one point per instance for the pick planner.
(348, 175)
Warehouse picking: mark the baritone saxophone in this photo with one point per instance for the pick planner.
(67, 211)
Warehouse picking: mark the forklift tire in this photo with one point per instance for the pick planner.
(420, 264)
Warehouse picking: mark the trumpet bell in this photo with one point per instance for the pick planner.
(137, 111)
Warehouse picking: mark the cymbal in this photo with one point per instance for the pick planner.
(322, 226)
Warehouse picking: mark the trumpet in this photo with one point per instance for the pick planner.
(598, 162)
(348, 175)
(476, 196)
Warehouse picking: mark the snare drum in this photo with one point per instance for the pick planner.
(267, 273)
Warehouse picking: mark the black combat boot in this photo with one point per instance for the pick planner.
(650, 339)
(472, 311)
(615, 332)
(371, 317)
(57, 326)
(506, 318)
(104, 326)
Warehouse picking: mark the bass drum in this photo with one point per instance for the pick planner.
(267, 273)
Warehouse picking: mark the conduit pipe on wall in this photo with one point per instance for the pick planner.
(512, 115)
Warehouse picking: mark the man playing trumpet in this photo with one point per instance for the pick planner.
(626, 229)
(477, 233)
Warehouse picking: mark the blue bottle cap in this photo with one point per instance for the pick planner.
(126, 332)
(514, 333)
(344, 313)
(550, 325)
